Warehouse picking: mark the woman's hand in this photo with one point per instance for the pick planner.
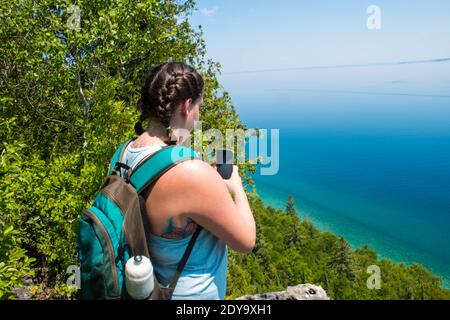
(234, 183)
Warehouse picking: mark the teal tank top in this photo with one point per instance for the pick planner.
(205, 274)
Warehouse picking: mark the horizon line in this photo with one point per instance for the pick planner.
(338, 66)
(378, 93)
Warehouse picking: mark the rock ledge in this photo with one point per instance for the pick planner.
(298, 292)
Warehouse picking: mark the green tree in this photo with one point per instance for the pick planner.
(290, 206)
(67, 100)
(342, 262)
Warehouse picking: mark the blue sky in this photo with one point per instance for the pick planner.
(267, 34)
(254, 35)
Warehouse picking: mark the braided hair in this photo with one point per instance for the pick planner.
(165, 88)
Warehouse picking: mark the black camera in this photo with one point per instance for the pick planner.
(224, 162)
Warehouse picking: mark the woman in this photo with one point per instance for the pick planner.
(190, 193)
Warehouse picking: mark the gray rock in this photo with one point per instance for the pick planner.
(298, 292)
(21, 293)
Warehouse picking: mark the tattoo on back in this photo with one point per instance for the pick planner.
(173, 232)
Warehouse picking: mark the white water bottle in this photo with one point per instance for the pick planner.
(139, 277)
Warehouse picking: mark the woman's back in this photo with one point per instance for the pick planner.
(204, 276)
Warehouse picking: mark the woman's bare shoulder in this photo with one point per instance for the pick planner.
(194, 169)
(194, 173)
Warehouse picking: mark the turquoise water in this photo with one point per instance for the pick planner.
(385, 183)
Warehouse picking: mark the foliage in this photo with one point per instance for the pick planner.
(67, 100)
(14, 263)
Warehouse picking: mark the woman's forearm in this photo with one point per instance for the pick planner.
(241, 201)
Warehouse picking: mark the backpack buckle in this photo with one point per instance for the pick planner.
(129, 171)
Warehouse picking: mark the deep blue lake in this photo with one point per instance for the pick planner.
(374, 168)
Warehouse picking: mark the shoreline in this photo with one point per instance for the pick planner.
(357, 235)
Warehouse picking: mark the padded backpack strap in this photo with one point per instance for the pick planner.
(118, 155)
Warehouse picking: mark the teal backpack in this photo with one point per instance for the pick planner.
(115, 227)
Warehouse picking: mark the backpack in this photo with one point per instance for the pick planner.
(115, 227)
